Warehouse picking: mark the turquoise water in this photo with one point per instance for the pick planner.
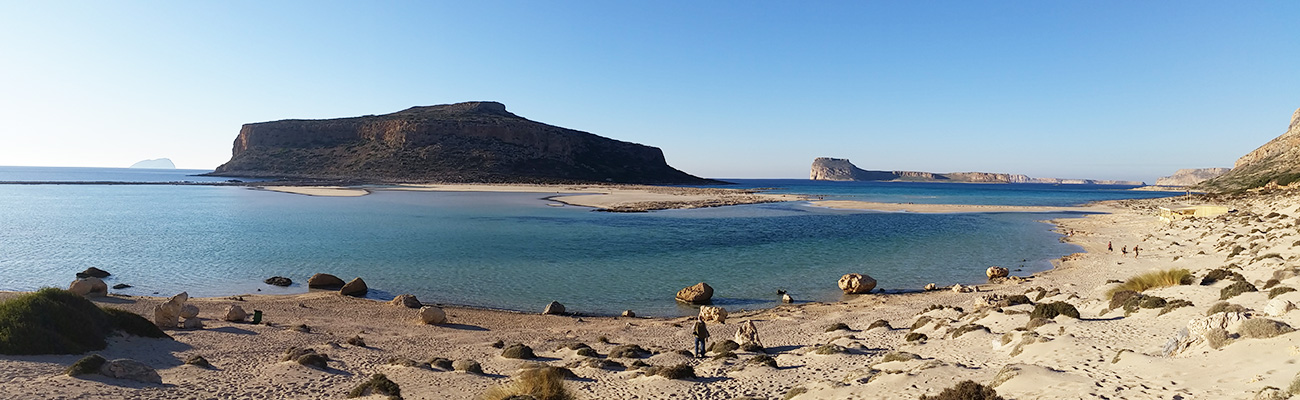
(501, 250)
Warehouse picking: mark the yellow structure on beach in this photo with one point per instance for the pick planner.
(1176, 212)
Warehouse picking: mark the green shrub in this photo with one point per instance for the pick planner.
(880, 323)
(629, 351)
(1236, 288)
(1175, 304)
(899, 356)
(55, 321)
(913, 337)
(1219, 274)
(1277, 291)
(1262, 328)
(1156, 279)
(723, 346)
(837, 326)
(378, 384)
(1014, 300)
(518, 351)
(87, 365)
(545, 383)
(1225, 307)
(1051, 310)
(1152, 302)
(966, 390)
(1121, 297)
(1217, 338)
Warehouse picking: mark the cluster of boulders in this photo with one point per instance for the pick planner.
(356, 287)
(122, 368)
(176, 312)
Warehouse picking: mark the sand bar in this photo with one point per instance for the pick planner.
(323, 191)
(945, 208)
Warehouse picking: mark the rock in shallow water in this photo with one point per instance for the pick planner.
(700, 293)
(857, 283)
(355, 288)
(324, 281)
(278, 281)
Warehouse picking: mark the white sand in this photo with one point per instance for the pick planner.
(1069, 359)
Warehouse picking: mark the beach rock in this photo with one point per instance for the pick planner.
(1224, 320)
(406, 300)
(356, 288)
(93, 272)
(89, 287)
(121, 286)
(1271, 393)
(1278, 307)
(700, 293)
(997, 272)
(192, 323)
(555, 308)
(785, 298)
(856, 283)
(235, 313)
(958, 288)
(629, 314)
(167, 315)
(748, 335)
(189, 311)
(931, 286)
(1181, 341)
(432, 315)
(125, 368)
(710, 313)
(324, 281)
(278, 281)
(469, 366)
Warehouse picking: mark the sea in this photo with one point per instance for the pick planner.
(514, 251)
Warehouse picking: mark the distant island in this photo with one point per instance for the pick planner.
(839, 169)
(473, 142)
(157, 163)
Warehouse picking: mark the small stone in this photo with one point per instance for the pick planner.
(121, 286)
(555, 308)
(189, 311)
(235, 313)
(785, 298)
(996, 272)
(629, 314)
(931, 286)
(192, 323)
(469, 366)
(710, 313)
(406, 300)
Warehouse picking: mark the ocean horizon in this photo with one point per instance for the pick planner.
(512, 250)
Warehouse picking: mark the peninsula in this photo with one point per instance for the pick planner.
(839, 169)
(472, 142)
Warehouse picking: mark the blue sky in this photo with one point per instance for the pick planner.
(752, 89)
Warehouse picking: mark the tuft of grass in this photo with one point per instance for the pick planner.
(899, 356)
(1236, 288)
(1262, 328)
(966, 390)
(87, 365)
(880, 323)
(544, 383)
(518, 351)
(1277, 291)
(1051, 310)
(632, 351)
(838, 326)
(915, 337)
(1217, 338)
(1225, 307)
(1118, 354)
(378, 384)
(1155, 279)
(56, 321)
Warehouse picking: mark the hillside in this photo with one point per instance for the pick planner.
(839, 169)
(464, 142)
(1277, 161)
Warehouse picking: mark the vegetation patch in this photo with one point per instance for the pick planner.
(1219, 274)
(762, 359)
(679, 371)
(1263, 328)
(55, 321)
(377, 385)
(544, 383)
(966, 390)
(518, 351)
(752, 347)
(441, 363)
(916, 337)
(198, 361)
(899, 356)
(1277, 291)
(1270, 284)
(838, 326)
(830, 349)
(724, 355)
(794, 392)
(1217, 338)
(880, 323)
(724, 346)
(1053, 309)
(629, 351)
(1236, 288)
(87, 365)
(1173, 305)
(1014, 300)
(921, 322)
(964, 329)
(1034, 323)
(1155, 279)
(357, 341)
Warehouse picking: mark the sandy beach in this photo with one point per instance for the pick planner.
(945, 208)
(1106, 354)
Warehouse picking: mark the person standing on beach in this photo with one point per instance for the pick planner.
(701, 333)
(1124, 250)
(1135, 251)
(1109, 247)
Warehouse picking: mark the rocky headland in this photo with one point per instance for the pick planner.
(1275, 163)
(1191, 176)
(463, 142)
(840, 169)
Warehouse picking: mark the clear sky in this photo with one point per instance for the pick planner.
(728, 89)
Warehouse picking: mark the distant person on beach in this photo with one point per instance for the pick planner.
(701, 334)
(1135, 251)
(1124, 250)
(1109, 247)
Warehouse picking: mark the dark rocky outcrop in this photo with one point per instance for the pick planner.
(1276, 162)
(463, 142)
(839, 169)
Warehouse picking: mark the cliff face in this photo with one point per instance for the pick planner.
(1277, 161)
(1190, 176)
(839, 169)
(464, 142)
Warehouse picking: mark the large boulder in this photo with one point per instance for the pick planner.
(857, 283)
(433, 315)
(555, 308)
(324, 281)
(125, 368)
(711, 313)
(748, 334)
(406, 300)
(167, 315)
(355, 288)
(235, 313)
(93, 272)
(701, 293)
(189, 311)
(995, 272)
(89, 287)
